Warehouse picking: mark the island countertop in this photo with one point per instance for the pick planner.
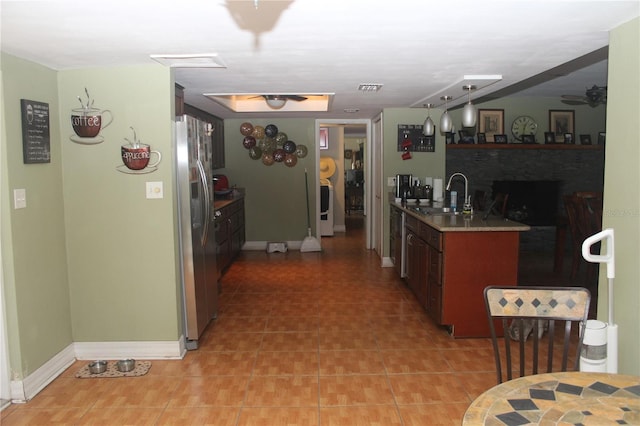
(449, 222)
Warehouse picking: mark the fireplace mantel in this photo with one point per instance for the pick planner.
(558, 146)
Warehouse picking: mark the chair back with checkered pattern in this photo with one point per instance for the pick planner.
(540, 312)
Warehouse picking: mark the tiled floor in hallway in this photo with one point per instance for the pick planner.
(327, 338)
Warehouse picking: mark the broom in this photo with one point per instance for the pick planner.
(309, 243)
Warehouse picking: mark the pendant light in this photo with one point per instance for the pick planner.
(429, 128)
(469, 111)
(445, 121)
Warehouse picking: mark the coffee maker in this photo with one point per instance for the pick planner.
(403, 184)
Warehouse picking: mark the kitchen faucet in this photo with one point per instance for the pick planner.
(467, 197)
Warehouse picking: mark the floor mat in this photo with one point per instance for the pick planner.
(142, 368)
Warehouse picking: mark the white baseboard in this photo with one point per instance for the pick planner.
(23, 390)
(339, 228)
(387, 262)
(262, 245)
(135, 350)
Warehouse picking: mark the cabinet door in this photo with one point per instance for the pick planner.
(217, 144)
(434, 293)
(417, 261)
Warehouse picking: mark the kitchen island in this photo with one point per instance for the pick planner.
(448, 259)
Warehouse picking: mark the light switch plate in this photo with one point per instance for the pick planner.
(19, 198)
(154, 190)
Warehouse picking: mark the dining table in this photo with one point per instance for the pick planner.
(563, 398)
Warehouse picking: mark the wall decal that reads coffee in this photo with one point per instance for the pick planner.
(87, 122)
(36, 142)
(136, 157)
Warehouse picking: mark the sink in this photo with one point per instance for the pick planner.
(444, 211)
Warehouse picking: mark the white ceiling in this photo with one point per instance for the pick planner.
(415, 48)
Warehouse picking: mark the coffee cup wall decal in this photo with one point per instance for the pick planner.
(87, 122)
(136, 157)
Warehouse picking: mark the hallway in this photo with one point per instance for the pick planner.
(326, 338)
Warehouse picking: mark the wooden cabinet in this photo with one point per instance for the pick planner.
(424, 264)
(417, 268)
(472, 261)
(395, 242)
(217, 134)
(230, 235)
(179, 97)
(448, 270)
(434, 277)
(217, 144)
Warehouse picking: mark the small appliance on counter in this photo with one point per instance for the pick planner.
(403, 184)
(221, 186)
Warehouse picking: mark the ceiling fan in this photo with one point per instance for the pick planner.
(593, 97)
(278, 101)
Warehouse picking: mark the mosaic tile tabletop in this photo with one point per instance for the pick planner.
(570, 398)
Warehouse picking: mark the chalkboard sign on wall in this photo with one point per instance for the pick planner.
(419, 142)
(36, 146)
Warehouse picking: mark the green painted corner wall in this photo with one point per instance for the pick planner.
(275, 204)
(621, 195)
(121, 246)
(421, 165)
(33, 239)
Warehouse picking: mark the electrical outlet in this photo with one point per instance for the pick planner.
(154, 190)
(391, 181)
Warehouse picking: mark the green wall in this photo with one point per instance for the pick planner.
(621, 195)
(275, 205)
(121, 246)
(421, 165)
(33, 239)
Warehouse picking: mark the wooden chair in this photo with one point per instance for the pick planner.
(558, 307)
(584, 215)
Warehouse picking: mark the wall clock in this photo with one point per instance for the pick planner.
(523, 125)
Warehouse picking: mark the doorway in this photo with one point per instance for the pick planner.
(347, 138)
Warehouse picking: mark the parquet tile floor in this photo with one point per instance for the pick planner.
(327, 338)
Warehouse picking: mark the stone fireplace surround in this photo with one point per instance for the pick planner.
(576, 168)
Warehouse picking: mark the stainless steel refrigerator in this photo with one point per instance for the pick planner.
(196, 227)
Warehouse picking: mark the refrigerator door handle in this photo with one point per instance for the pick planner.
(207, 204)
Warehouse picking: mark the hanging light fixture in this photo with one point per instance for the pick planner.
(445, 121)
(275, 101)
(429, 128)
(469, 111)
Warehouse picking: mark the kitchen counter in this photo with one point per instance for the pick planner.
(449, 222)
(220, 202)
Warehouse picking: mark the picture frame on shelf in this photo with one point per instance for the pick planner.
(568, 138)
(602, 136)
(465, 137)
(585, 139)
(482, 138)
(449, 138)
(491, 123)
(561, 122)
(528, 139)
(500, 138)
(549, 138)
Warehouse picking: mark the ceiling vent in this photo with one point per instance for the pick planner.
(369, 87)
